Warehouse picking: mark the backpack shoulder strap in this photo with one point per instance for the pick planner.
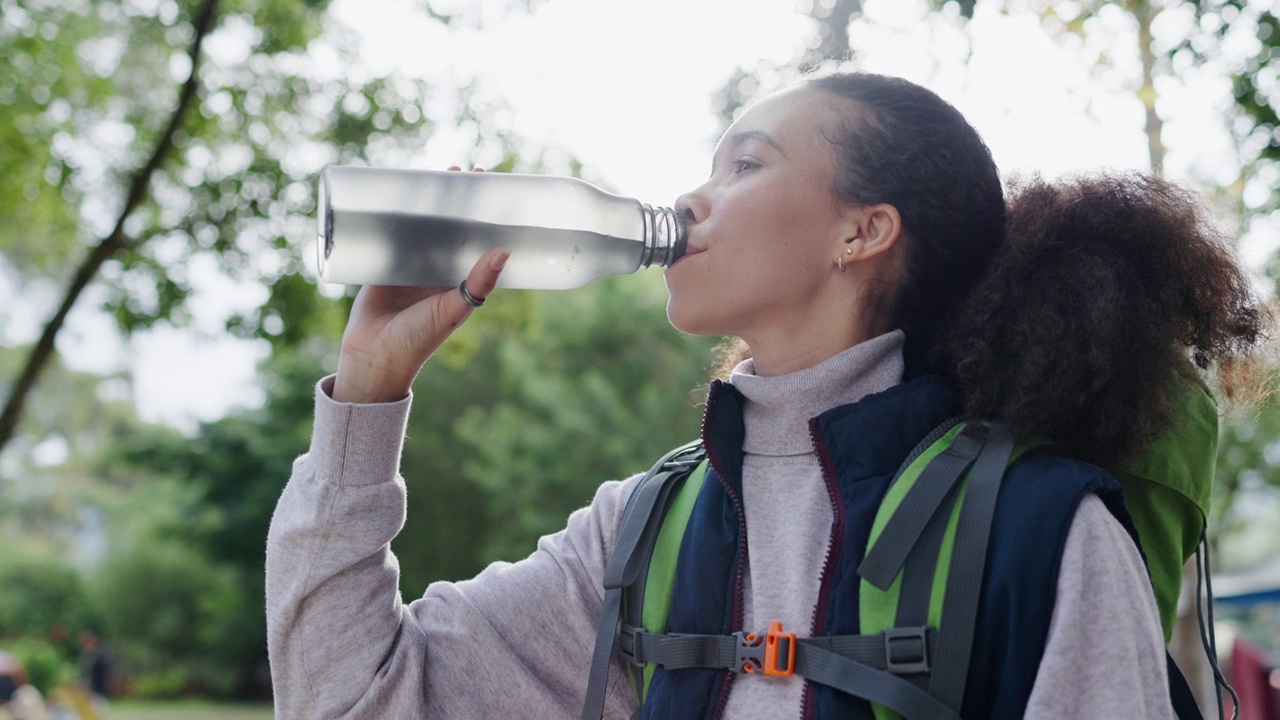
(927, 548)
(647, 602)
(630, 558)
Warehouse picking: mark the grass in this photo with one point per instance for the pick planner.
(186, 710)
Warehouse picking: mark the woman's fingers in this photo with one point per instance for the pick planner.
(484, 275)
(479, 283)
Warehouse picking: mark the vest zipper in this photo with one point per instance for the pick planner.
(833, 551)
(736, 610)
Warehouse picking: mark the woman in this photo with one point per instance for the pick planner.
(853, 235)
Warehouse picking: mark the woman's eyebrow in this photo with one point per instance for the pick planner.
(738, 138)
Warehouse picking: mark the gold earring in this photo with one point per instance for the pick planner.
(840, 260)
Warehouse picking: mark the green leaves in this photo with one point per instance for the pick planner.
(92, 93)
(49, 82)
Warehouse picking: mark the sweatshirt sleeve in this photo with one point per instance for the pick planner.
(515, 641)
(1105, 655)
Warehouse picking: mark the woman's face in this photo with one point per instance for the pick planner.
(765, 229)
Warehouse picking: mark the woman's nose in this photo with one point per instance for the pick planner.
(693, 206)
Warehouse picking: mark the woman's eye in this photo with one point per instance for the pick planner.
(743, 164)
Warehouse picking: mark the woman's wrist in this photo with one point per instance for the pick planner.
(368, 387)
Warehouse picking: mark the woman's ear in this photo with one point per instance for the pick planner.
(875, 229)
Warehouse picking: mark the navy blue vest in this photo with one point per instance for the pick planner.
(861, 447)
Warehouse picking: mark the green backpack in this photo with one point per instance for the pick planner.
(955, 474)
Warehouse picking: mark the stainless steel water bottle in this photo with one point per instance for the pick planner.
(428, 228)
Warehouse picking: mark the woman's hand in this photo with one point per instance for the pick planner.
(393, 330)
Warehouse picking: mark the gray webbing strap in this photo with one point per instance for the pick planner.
(597, 681)
(638, 527)
(878, 686)
(968, 561)
(676, 651)
(921, 566)
(896, 541)
(874, 650)
(917, 583)
(678, 467)
(854, 664)
(639, 520)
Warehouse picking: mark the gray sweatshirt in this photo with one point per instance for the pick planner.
(516, 640)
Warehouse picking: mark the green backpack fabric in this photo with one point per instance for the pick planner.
(1167, 491)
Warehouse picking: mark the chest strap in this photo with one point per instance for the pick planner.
(867, 666)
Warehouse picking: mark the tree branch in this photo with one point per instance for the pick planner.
(113, 242)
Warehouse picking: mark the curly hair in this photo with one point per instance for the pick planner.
(1107, 286)
(1067, 311)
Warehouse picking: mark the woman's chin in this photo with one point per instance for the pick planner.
(689, 321)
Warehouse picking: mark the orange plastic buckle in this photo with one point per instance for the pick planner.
(774, 654)
(779, 645)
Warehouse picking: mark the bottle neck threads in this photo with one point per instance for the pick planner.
(665, 237)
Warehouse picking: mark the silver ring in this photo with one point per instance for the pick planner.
(468, 297)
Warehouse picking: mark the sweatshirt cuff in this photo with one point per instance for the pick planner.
(357, 444)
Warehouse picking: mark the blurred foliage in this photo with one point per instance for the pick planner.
(48, 665)
(1241, 35)
(539, 402)
(1248, 467)
(829, 43)
(171, 612)
(86, 88)
(1254, 26)
(49, 469)
(43, 595)
(200, 523)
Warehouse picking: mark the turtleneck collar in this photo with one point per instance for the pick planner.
(778, 408)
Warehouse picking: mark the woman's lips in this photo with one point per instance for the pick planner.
(690, 251)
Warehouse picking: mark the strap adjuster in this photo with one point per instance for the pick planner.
(627, 643)
(906, 650)
(774, 654)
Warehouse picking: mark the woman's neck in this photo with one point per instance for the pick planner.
(779, 407)
(784, 357)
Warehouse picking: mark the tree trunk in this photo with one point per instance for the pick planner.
(112, 243)
(1143, 11)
